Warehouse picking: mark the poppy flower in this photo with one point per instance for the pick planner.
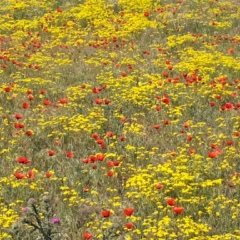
(166, 100)
(110, 164)
(29, 133)
(87, 235)
(100, 157)
(129, 225)
(109, 134)
(63, 100)
(110, 174)
(51, 153)
(212, 104)
(30, 97)
(30, 174)
(23, 160)
(29, 91)
(7, 89)
(156, 127)
(116, 163)
(100, 141)
(48, 175)
(128, 211)
(123, 138)
(229, 143)
(25, 105)
(107, 101)
(231, 50)
(212, 154)
(95, 135)
(159, 186)
(19, 175)
(229, 106)
(69, 154)
(189, 138)
(146, 13)
(178, 210)
(18, 116)
(124, 74)
(98, 101)
(106, 213)
(158, 108)
(171, 201)
(47, 102)
(18, 125)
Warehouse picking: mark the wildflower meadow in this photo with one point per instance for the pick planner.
(120, 120)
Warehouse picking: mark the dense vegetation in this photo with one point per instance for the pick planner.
(119, 119)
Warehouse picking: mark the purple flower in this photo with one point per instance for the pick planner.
(55, 220)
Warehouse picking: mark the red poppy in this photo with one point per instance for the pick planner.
(23, 160)
(29, 133)
(110, 164)
(128, 211)
(63, 100)
(87, 235)
(189, 138)
(95, 135)
(129, 225)
(212, 154)
(165, 74)
(98, 101)
(29, 91)
(231, 50)
(192, 150)
(159, 186)
(109, 134)
(19, 175)
(30, 174)
(166, 100)
(123, 138)
(25, 105)
(156, 126)
(178, 210)
(69, 154)
(212, 104)
(51, 153)
(85, 160)
(158, 108)
(18, 116)
(100, 157)
(107, 101)
(47, 102)
(229, 106)
(110, 174)
(100, 141)
(124, 74)
(186, 124)
(167, 122)
(106, 213)
(146, 13)
(229, 143)
(116, 163)
(7, 89)
(171, 201)
(30, 97)
(85, 189)
(48, 175)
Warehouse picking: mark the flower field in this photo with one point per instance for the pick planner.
(120, 120)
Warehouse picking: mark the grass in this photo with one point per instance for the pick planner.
(119, 120)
